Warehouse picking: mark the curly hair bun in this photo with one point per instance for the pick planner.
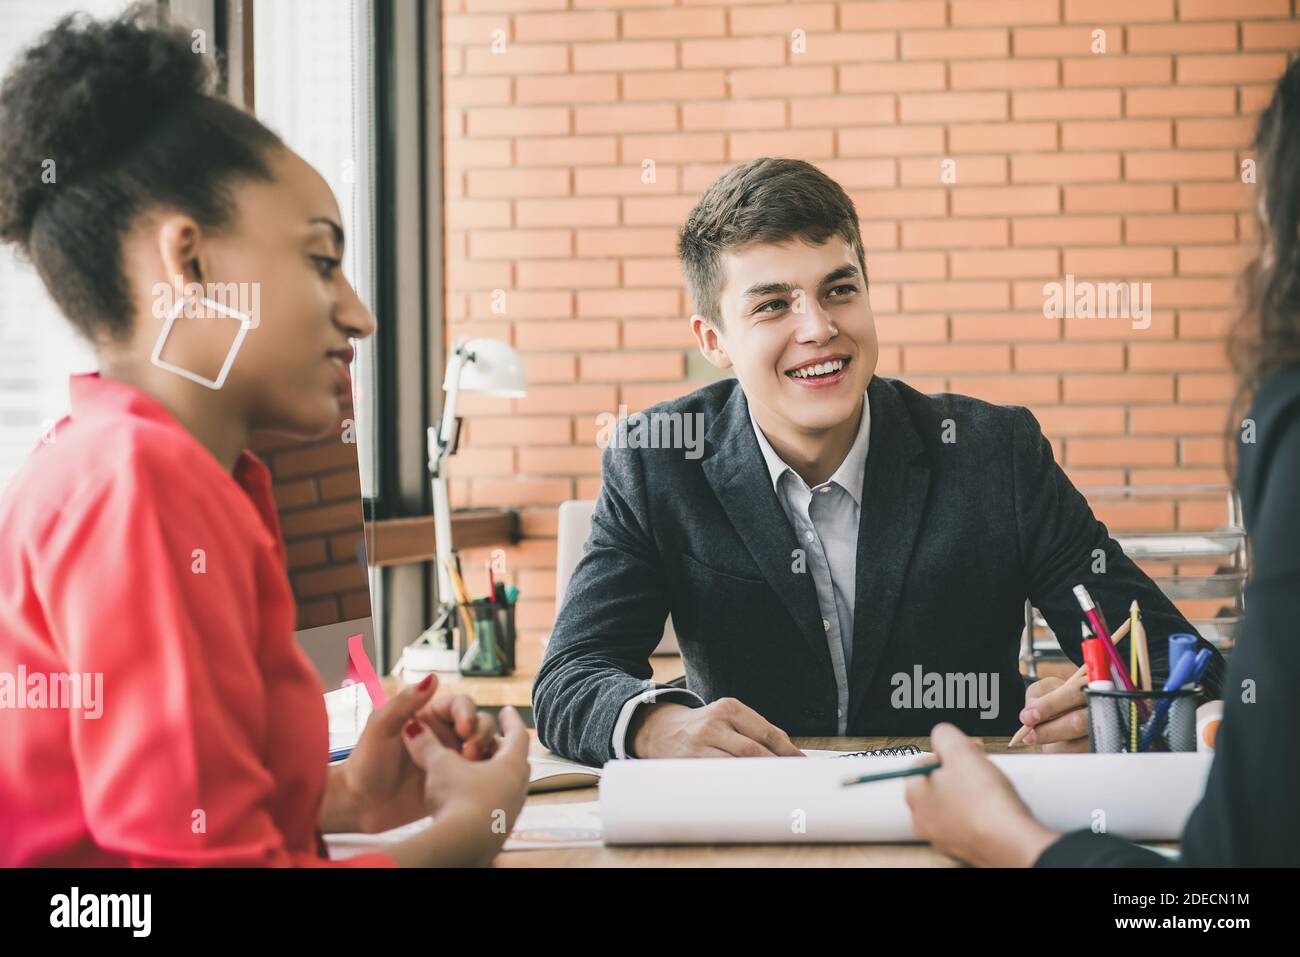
(77, 101)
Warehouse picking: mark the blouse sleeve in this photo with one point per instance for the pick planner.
(169, 772)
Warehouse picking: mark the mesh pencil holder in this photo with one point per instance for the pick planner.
(1166, 720)
(488, 650)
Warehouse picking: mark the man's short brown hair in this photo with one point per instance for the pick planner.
(765, 200)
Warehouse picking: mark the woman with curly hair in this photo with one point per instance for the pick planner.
(140, 552)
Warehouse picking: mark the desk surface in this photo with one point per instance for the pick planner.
(768, 855)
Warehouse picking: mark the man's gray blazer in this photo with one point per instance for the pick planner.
(964, 515)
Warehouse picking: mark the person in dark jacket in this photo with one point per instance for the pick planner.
(1247, 816)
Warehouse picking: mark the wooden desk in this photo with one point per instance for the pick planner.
(765, 855)
(517, 689)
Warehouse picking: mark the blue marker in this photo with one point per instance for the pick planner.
(1181, 674)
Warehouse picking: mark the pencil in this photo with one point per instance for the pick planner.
(1133, 667)
(891, 775)
(1116, 638)
(1144, 660)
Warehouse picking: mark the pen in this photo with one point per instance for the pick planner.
(1093, 615)
(891, 775)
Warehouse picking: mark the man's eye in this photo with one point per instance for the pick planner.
(763, 308)
(326, 266)
(849, 286)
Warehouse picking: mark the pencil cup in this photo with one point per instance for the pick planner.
(490, 649)
(1166, 720)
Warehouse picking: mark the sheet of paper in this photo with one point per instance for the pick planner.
(775, 800)
(539, 827)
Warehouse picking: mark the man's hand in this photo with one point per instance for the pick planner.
(725, 728)
(969, 809)
(1056, 712)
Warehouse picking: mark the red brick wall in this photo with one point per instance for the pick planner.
(317, 488)
(1122, 166)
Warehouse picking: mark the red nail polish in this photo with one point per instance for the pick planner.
(424, 685)
(412, 728)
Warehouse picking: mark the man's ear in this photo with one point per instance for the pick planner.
(180, 248)
(710, 342)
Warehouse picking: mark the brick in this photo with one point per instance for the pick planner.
(889, 77)
(1179, 228)
(1018, 74)
(1180, 165)
(1127, 387)
(1182, 38)
(952, 107)
(895, 15)
(570, 460)
(953, 44)
(673, 84)
(957, 358)
(968, 170)
(982, 201)
(890, 141)
(810, 17)
(1008, 263)
(1071, 104)
(970, 13)
(1121, 451)
(1231, 68)
(673, 24)
(1116, 134)
(1052, 230)
(1117, 199)
(955, 233)
(1117, 71)
(625, 55)
(1069, 357)
(1180, 101)
(1004, 327)
(1002, 137)
(1064, 167)
(565, 27)
(942, 296)
(1016, 389)
(1092, 11)
(1176, 356)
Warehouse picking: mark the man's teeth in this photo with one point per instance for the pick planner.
(822, 368)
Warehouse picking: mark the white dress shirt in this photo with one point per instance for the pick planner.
(825, 523)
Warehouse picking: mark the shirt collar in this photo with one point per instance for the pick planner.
(848, 476)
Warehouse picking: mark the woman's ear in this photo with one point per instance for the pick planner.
(710, 342)
(180, 247)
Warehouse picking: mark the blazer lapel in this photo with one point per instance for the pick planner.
(894, 489)
(735, 468)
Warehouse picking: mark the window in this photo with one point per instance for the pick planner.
(38, 349)
(314, 85)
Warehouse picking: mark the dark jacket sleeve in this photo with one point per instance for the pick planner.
(598, 656)
(1247, 816)
(1062, 544)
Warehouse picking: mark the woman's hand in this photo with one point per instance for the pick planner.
(378, 784)
(969, 809)
(474, 804)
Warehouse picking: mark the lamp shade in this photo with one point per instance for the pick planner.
(489, 367)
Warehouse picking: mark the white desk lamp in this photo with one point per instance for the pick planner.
(484, 366)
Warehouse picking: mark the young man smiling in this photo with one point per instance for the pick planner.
(840, 529)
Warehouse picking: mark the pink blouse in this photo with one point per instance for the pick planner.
(154, 706)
